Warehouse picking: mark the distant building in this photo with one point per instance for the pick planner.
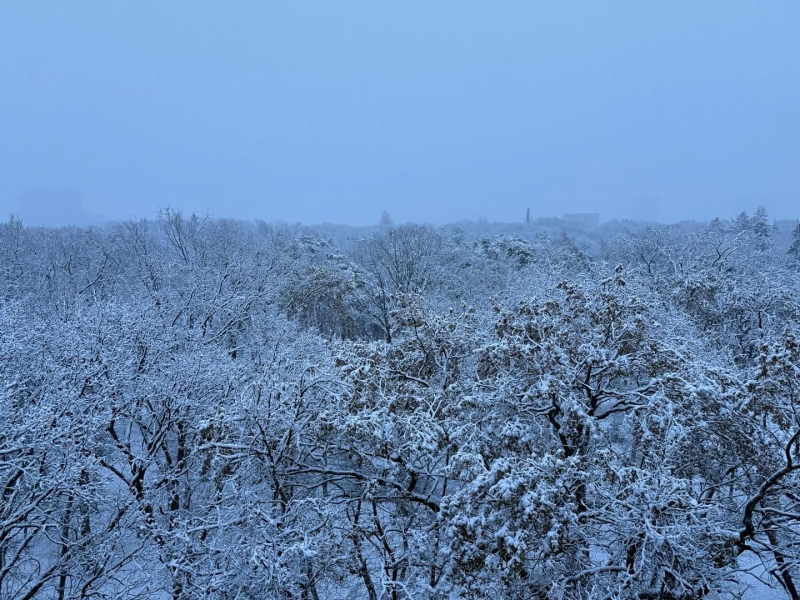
(52, 207)
(583, 219)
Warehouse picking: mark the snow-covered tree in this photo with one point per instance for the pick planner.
(203, 408)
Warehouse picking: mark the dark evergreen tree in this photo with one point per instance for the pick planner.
(741, 222)
(794, 247)
(761, 229)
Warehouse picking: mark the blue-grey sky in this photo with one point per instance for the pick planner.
(434, 110)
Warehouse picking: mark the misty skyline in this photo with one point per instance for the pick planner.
(435, 111)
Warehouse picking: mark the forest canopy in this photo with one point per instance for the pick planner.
(195, 407)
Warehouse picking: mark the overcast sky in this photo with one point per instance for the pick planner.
(434, 110)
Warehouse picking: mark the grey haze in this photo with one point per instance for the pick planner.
(435, 111)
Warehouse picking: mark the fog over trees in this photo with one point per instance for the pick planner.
(196, 407)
